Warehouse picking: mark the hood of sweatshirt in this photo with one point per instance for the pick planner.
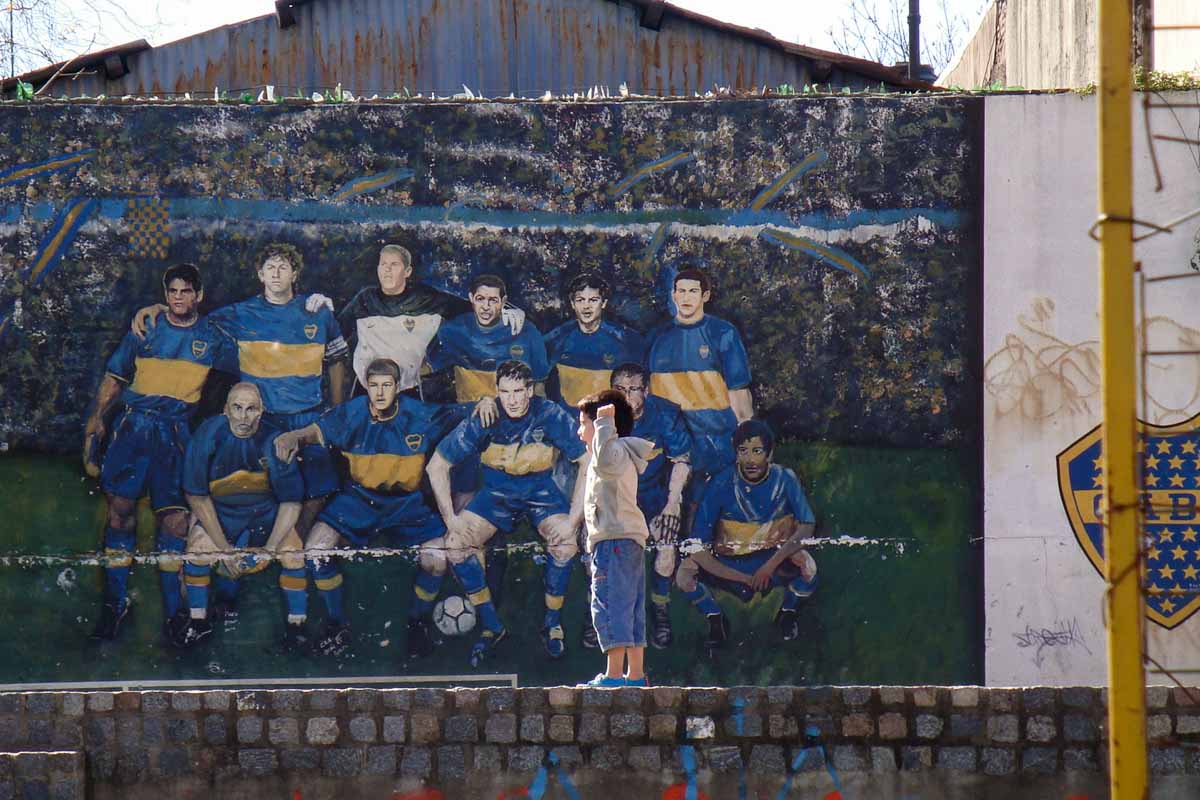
(640, 451)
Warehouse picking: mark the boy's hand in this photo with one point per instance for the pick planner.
(606, 411)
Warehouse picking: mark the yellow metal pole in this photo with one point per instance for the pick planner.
(1123, 598)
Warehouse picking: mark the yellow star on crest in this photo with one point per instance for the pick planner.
(1177, 479)
(1153, 553)
(1154, 591)
(1098, 463)
(1189, 534)
(1176, 462)
(1152, 462)
(1166, 535)
(1098, 480)
(1167, 571)
(1189, 447)
(1177, 589)
(1164, 448)
(1151, 480)
(1179, 554)
(1191, 572)
(1168, 606)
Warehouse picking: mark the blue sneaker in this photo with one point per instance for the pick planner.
(642, 681)
(602, 681)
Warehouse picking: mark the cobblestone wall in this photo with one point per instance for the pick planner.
(884, 742)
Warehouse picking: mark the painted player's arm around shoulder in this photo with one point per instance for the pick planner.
(145, 318)
(742, 403)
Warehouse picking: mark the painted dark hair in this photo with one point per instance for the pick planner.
(589, 280)
(188, 273)
(283, 250)
(630, 369)
(517, 370)
(693, 274)
(609, 397)
(488, 279)
(384, 366)
(751, 428)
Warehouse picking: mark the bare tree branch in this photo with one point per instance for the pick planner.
(878, 30)
(34, 33)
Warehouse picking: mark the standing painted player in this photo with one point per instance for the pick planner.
(385, 438)
(242, 497)
(158, 379)
(518, 453)
(748, 536)
(399, 318)
(699, 362)
(660, 485)
(284, 349)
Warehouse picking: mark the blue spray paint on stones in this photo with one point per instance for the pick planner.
(687, 754)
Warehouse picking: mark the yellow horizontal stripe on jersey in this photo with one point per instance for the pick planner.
(423, 594)
(472, 385)
(327, 584)
(292, 583)
(738, 538)
(169, 377)
(576, 383)
(386, 471)
(241, 482)
(277, 360)
(519, 459)
(692, 391)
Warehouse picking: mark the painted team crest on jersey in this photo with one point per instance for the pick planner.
(410, 324)
(609, 359)
(262, 462)
(1169, 461)
(413, 440)
(310, 331)
(537, 434)
(199, 348)
(704, 351)
(516, 351)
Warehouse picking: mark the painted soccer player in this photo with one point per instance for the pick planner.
(583, 352)
(399, 318)
(242, 497)
(158, 379)
(283, 349)
(699, 362)
(660, 487)
(385, 438)
(518, 453)
(748, 536)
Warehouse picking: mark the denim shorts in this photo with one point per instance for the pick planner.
(619, 593)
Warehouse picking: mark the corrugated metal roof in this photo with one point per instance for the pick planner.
(496, 47)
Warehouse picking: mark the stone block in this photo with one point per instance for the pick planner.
(322, 730)
(782, 727)
(1158, 727)
(152, 702)
(362, 729)
(467, 700)
(342, 762)
(219, 700)
(249, 730)
(300, 758)
(462, 728)
(699, 728)
(1003, 701)
(73, 704)
(129, 732)
(858, 726)
(382, 760)
(607, 757)
(1004, 728)
(743, 723)
(929, 726)
(1040, 760)
(627, 726)
(851, 758)
(526, 758)
(287, 700)
(561, 697)
(1157, 696)
(780, 696)
(854, 696)
(963, 759)
(215, 730)
(821, 725)
(817, 697)
(100, 701)
(258, 761)
(1187, 724)
(883, 760)
(1080, 728)
(593, 728)
(597, 698)
(562, 728)
(397, 699)
(531, 700)
(723, 758)
(533, 728)
(892, 695)
(645, 757)
(183, 729)
(1040, 700)
(500, 729)
(451, 762)
(999, 761)
(1185, 696)
(44, 702)
(174, 762)
(1040, 729)
(498, 700)
(892, 726)
(249, 701)
(966, 726)
(39, 733)
(1167, 760)
(283, 731)
(359, 701)
(705, 701)
(1083, 697)
(432, 699)
(630, 698)
(916, 759)
(132, 767)
(1080, 759)
(322, 699)
(417, 762)
(424, 728)
(570, 757)
(767, 759)
(487, 758)
(925, 697)
(393, 729)
(964, 697)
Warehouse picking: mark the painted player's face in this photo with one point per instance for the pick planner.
(182, 299)
(278, 277)
(588, 305)
(587, 428)
(393, 273)
(753, 459)
(634, 389)
(689, 299)
(515, 396)
(488, 303)
(381, 389)
(244, 409)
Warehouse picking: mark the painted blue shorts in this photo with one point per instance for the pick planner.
(145, 455)
(248, 526)
(316, 461)
(619, 593)
(503, 504)
(788, 575)
(407, 518)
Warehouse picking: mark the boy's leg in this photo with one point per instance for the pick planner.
(616, 662)
(635, 567)
(637, 669)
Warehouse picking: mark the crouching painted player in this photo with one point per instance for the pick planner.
(748, 536)
(385, 438)
(242, 498)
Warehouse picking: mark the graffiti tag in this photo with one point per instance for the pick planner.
(1063, 634)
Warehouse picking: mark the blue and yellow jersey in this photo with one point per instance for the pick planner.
(695, 367)
(238, 473)
(514, 448)
(387, 456)
(475, 353)
(282, 349)
(662, 425)
(165, 371)
(738, 517)
(583, 362)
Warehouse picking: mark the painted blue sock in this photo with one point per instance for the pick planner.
(168, 572)
(328, 580)
(470, 575)
(225, 589)
(425, 591)
(555, 576)
(702, 599)
(798, 590)
(196, 577)
(294, 583)
(660, 588)
(118, 560)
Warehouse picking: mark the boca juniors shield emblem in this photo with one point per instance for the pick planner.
(409, 324)
(1169, 463)
(516, 351)
(199, 348)
(310, 331)
(704, 351)
(413, 440)
(537, 434)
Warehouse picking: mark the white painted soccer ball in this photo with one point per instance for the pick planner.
(454, 616)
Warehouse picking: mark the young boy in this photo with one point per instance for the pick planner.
(616, 534)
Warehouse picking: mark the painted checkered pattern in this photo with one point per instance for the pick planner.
(149, 225)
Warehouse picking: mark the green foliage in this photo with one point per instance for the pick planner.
(1152, 81)
(24, 90)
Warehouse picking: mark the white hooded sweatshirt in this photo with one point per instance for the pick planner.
(610, 509)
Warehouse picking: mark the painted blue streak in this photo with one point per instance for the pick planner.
(67, 239)
(688, 756)
(35, 164)
(768, 236)
(564, 780)
(646, 170)
(372, 183)
(771, 192)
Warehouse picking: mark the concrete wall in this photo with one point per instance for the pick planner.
(1042, 381)
(885, 742)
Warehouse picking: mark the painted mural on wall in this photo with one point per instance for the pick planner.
(344, 344)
